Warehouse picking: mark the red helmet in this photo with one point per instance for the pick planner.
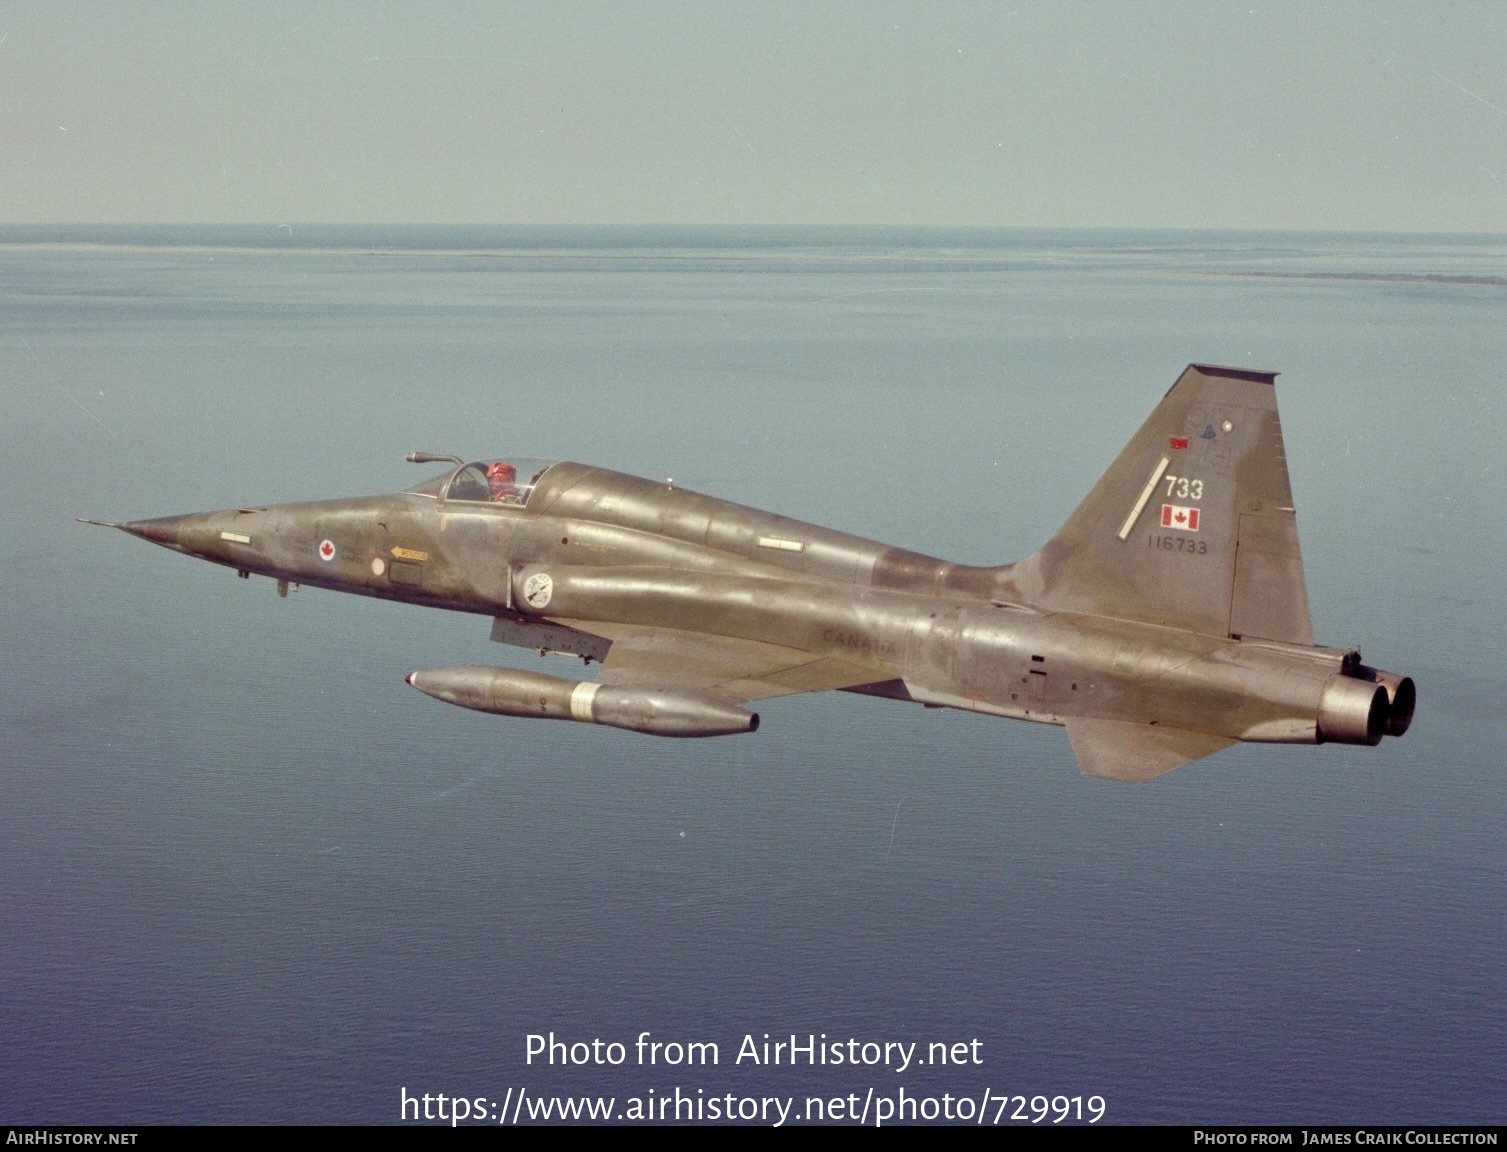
(501, 470)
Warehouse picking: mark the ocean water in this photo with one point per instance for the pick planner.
(246, 874)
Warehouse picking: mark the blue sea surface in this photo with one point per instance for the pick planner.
(246, 874)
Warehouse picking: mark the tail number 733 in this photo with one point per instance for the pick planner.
(1184, 488)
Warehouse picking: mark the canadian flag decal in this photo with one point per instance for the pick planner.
(1176, 516)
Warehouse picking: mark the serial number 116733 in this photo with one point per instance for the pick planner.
(1177, 544)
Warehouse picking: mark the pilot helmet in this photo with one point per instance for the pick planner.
(502, 470)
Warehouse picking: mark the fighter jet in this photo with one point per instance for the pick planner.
(1167, 620)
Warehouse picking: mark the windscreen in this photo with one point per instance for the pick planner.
(432, 486)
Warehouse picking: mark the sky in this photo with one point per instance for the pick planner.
(1386, 115)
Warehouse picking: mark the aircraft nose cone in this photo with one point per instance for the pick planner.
(164, 530)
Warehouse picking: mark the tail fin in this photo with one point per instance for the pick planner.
(1193, 525)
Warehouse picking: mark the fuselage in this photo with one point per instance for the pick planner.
(620, 552)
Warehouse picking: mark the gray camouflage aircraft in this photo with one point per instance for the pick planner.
(1168, 619)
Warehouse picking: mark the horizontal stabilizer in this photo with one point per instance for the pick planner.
(1136, 753)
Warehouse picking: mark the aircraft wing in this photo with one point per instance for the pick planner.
(729, 669)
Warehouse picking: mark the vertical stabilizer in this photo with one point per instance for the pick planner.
(1193, 525)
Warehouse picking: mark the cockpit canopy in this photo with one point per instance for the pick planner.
(505, 481)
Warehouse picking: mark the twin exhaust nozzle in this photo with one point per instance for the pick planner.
(1362, 706)
(511, 692)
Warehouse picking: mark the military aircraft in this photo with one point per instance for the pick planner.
(1167, 620)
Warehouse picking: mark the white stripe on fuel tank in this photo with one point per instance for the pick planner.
(580, 701)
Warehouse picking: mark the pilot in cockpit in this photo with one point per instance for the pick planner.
(503, 478)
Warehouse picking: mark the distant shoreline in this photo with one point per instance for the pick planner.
(507, 238)
(1440, 260)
